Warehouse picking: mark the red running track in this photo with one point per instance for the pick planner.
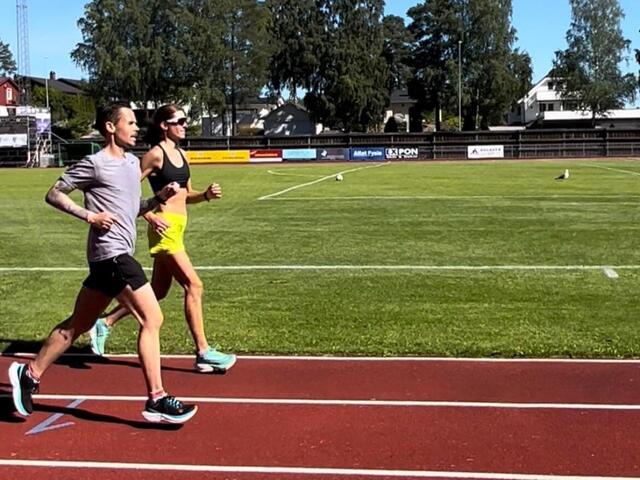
(407, 419)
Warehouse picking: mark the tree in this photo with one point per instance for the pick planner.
(247, 51)
(436, 28)
(296, 29)
(396, 51)
(489, 83)
(130, 49)
(589, 67)
(350, 88)
(7, 64)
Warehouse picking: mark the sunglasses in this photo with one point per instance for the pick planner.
(180, 121)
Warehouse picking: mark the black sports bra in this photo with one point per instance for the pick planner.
(160, 177)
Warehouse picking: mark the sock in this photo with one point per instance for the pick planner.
(157, 395)
(31, 374)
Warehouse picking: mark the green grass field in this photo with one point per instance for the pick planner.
(519, 260)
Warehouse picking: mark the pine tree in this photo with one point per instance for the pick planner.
(7, 64)
(589, 67)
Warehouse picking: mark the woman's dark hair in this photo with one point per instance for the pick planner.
(108, 113)
(154, 133)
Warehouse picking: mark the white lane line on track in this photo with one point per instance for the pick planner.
(319, 358)
(353, 403)
(322, 179)
(331, 472)
(480, 268)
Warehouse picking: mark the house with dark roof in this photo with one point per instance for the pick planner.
(9, 92)
(63, 85)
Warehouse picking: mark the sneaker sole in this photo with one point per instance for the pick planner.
(208, 368)
(16, 390)
(157, 417)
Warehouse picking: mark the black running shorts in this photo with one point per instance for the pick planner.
(111, 276)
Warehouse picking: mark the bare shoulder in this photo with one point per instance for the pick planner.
(153, 158)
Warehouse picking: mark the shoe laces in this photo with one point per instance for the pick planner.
(173, 402)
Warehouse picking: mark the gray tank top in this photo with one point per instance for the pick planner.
(109, 185)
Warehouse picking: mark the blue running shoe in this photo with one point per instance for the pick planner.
(23, 388)
(168, 409)
(214, 361)
(98, 334)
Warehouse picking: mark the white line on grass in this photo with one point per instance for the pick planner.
(358, 267)
(459, 197)
(318, 358)
(355, 403)
(327, 177)
(282, 174)
(330, 472)
(611, 273)
(629, 172)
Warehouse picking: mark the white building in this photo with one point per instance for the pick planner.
(543, 107)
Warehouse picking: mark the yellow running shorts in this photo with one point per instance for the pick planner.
(172, 239)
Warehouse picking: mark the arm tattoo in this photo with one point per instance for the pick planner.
(58, 197)
(148, 204)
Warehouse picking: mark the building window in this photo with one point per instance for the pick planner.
(9, 95)
(550, 107)
(543, 107)
(551, 85)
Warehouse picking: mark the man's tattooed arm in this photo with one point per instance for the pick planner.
(148, 204)
(58, 197)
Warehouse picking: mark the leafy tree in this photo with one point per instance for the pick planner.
(589, 67)
(130, 49)
(489, 82)
(247, 50)
(71, 115)
(396, 51)
(436, 28)
(7, 64)
(350, 88)
(296, 29)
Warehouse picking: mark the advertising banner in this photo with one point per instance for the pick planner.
(13, 140)
(401, 153)
(218, 156)
(260, 156)
(299, 154)
(333, 154)
(367, 153)
(485, 151)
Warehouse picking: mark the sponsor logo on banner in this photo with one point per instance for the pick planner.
(358, 153)
(13, 140)
(485, 151)
(218, 156)
(299, 154)
(258, 156)
(402, 153)
(331, 154)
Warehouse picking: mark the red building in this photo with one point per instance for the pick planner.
(9, 93)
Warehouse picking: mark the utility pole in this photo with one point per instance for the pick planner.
(24, 68)
(459, 85)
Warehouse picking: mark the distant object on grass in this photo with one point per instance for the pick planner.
(564, 175)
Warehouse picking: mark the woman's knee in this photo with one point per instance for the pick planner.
(194, 286)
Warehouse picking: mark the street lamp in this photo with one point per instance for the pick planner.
(459, 85)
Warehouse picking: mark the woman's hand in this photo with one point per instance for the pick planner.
(213, 191)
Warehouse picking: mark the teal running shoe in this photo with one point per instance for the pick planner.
(98, 334)
(214, 361)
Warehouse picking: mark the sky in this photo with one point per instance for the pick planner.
(541, 27)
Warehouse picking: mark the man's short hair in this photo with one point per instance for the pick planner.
(108, 113)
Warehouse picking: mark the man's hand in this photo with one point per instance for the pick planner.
(158, 223)
(168, 191)
(102, 221)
